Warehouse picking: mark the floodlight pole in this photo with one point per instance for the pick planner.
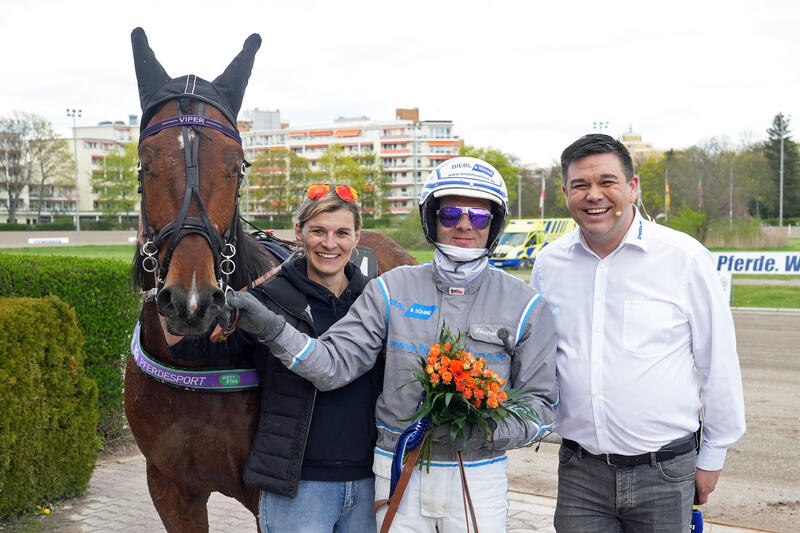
(73, 113)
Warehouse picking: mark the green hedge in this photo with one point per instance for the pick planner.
(48, 406)
(59, 224)
(106, 305)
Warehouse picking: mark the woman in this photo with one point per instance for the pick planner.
(312, 453)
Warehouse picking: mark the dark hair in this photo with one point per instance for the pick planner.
(596, 143)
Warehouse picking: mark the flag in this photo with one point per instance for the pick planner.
(541, 198)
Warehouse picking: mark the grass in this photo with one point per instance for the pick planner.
(744, 295)
(793, 246)
(766, 296)
(121, 251)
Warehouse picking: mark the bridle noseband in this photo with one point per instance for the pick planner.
(223, 247)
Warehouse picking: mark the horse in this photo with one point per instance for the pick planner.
(192, 249)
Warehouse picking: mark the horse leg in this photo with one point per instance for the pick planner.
(180, 511)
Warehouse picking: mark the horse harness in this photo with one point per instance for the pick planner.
(223, 247)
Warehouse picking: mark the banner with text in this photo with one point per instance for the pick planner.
(757, 262)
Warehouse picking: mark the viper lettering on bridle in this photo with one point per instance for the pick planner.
(223, 247)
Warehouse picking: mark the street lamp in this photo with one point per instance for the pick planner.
(73, 113)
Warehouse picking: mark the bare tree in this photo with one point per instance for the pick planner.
(28, 149)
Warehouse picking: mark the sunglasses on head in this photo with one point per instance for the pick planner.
(345, 192)
(450, 215)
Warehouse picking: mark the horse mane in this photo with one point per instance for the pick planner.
(251, 260)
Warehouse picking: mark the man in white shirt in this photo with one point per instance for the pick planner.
(646, 344)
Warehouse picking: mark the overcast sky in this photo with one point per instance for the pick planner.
(526, 77)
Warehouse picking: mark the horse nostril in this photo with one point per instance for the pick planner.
(218, 299)
(164, 302)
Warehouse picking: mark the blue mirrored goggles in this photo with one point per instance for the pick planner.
(450, 215)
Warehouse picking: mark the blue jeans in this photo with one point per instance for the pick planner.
(594, 497)
(320, 507)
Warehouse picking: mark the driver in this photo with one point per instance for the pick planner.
(462, 208)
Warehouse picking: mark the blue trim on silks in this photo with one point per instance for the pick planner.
(385, 291)
(408, 440)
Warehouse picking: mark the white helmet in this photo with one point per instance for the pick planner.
(464, 176)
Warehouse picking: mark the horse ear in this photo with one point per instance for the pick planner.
(231, 84)
(149, 72)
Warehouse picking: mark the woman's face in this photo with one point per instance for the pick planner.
(328, 239)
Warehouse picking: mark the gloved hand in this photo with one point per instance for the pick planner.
(254, 317)
(476, 436)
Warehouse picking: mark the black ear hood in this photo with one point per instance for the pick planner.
(225, 92)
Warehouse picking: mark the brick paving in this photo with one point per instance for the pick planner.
(118, 500)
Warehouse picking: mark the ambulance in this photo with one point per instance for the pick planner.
(524, 237)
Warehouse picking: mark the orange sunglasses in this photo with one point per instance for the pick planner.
(345, 192)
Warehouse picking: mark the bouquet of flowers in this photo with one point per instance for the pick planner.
(459, 389)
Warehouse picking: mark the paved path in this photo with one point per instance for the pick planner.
(117, 500)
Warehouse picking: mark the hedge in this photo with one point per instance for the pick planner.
(101, 291)
(48, 406)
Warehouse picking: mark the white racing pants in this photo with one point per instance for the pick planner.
(433, 499)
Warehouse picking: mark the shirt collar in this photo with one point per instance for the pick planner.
(636, 234)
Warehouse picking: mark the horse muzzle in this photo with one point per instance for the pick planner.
(193, 313)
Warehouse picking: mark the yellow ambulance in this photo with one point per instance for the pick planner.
(524, 237)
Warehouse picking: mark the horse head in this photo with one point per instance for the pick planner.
(191, 166)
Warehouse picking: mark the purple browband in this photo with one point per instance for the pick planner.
(189, 120)
(214, 380)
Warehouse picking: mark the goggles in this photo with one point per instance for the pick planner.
(345, 192)
(450, 215)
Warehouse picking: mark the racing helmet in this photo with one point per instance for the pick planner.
(464, 176)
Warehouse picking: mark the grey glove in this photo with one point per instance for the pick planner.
(254, 317)
(476, 436)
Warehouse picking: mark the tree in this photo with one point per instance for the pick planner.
(115, 185)
(54, 165)
(651, 184)
(363, 172)
(27, 143)
(508, 166)
(531, 185)
(791, 176)
(275, 180)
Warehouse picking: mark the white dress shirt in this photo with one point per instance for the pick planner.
(634, 331)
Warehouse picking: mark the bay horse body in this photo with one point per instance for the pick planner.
(192, 249)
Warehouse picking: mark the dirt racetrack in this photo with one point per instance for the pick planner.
(760, 483)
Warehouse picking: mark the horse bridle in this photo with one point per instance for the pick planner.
(223, 247)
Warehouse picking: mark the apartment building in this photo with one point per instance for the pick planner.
(89, 144)
(407, 147)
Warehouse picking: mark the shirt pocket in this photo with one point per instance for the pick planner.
(647, 326)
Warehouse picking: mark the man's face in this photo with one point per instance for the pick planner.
(600, 199)
(463, 234)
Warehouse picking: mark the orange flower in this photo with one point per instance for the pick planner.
(479, 393)
(447, 377)
(429, 369)
(447, 347)
(445, 361)
(476, 403)
(494, 386)
(434, 350)
(491, 403)
(434, 378)
(467, 393)
(457, 367)
(502, 396)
